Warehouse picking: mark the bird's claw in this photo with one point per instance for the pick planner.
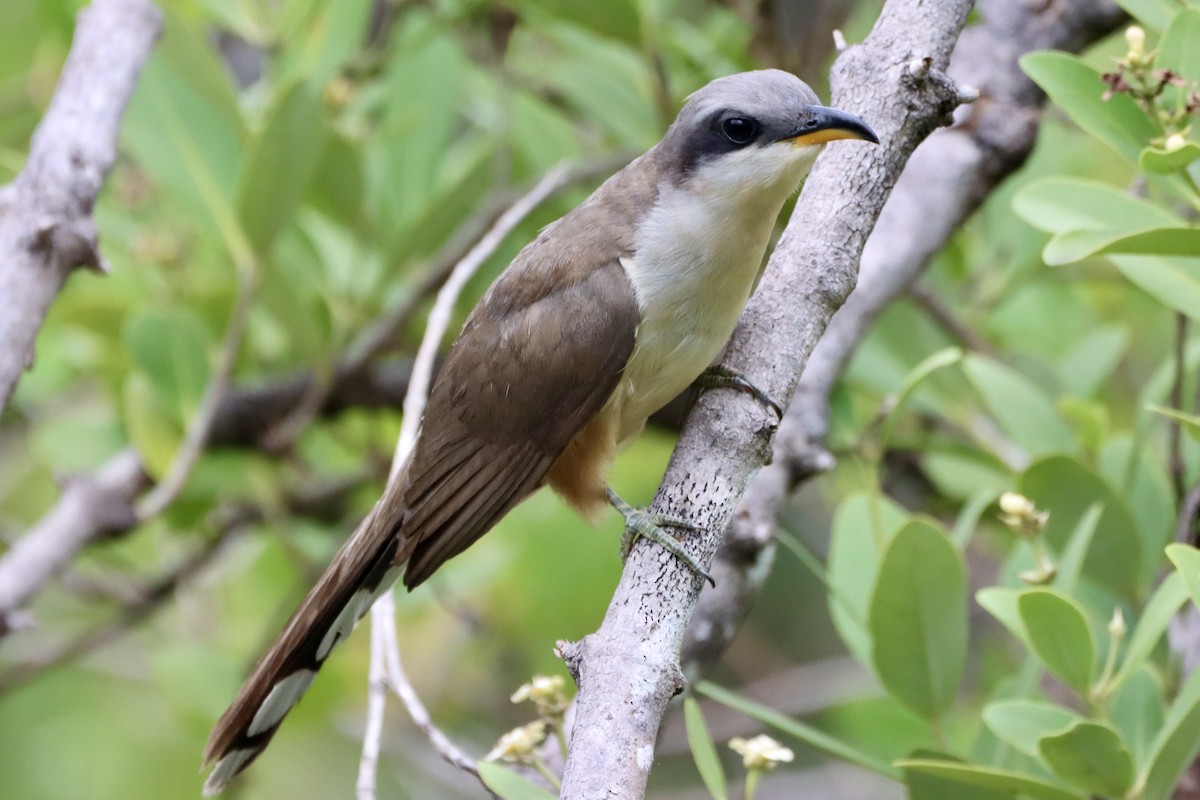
(643, 524)
(723, 377)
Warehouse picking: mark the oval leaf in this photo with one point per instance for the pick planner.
(918, 619)
(1187, 562)
(1076, 88)
(1176, 745)
(1164, 162)
(1023, 723)
(1155, 242)
(278, 166)
(1021, 408)
(169, 348)
(1001, 780)
(1090, 756)
(1119, 553)
(1060, 636)
(862, 527)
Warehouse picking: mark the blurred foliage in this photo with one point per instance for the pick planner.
(316, 160)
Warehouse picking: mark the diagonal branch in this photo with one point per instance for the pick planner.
(629, 669)
(46, 225)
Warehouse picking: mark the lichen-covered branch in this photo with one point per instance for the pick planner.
(46, 225)
(628, 670)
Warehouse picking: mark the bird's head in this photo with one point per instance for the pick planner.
(754, 132)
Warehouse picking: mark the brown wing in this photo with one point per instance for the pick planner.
(520, 382)
(528, 371)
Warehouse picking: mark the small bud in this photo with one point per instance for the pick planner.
(338, 92)
(1135, 37)
(762, 753)
(546, 692)
(1116, 625)
(1018, 512)
(1174, 142)
(519, 745)
(1042, 576)
(1015, 505)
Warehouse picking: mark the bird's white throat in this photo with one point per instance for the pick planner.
(697, 254)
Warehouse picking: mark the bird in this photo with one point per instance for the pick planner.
(608, 314)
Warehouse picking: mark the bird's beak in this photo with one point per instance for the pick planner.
(827, 125)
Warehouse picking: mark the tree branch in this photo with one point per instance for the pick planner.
(46, 225)
(88, 509)
(629, 669)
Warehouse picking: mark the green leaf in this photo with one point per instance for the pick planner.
(1179, 48)
(1089, 214)
(424, 83)
(278, 166)
(1080, 543)
(1059, 205)
(927, 366)
(862, 528)
(1086, 366)
(1155, 242)
(1119, 554)
(1187, 562)
(1001, 603)
(1173, 282)
(806, 733)
(1005, 781)
(1020, 407)
(924, 786)
(1137, 711)
(509, 785)
(1060, 636)
(1157, 615)
(703, 750)
(1176, 745)
(1076, 88)
(169, 348)
(1189, 422)
(1165, 162)
(1091, 756)
(1023, 723)
(1155, 14)
(152, 429)
(918, 619)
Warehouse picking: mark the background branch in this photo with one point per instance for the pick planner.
(46, 225)
(629, 669)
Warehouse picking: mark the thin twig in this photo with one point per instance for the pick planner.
(196, 436)
(364, 787)
(950, 322)
(151, 599)
(385, 652)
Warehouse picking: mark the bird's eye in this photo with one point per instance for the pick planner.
(739, 130)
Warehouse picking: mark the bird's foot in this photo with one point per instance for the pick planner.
(723, 377)
(639, 523)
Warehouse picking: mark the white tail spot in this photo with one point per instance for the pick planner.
(282, 697)
(226, 768)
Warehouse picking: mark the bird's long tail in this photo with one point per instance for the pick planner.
(366, 566)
